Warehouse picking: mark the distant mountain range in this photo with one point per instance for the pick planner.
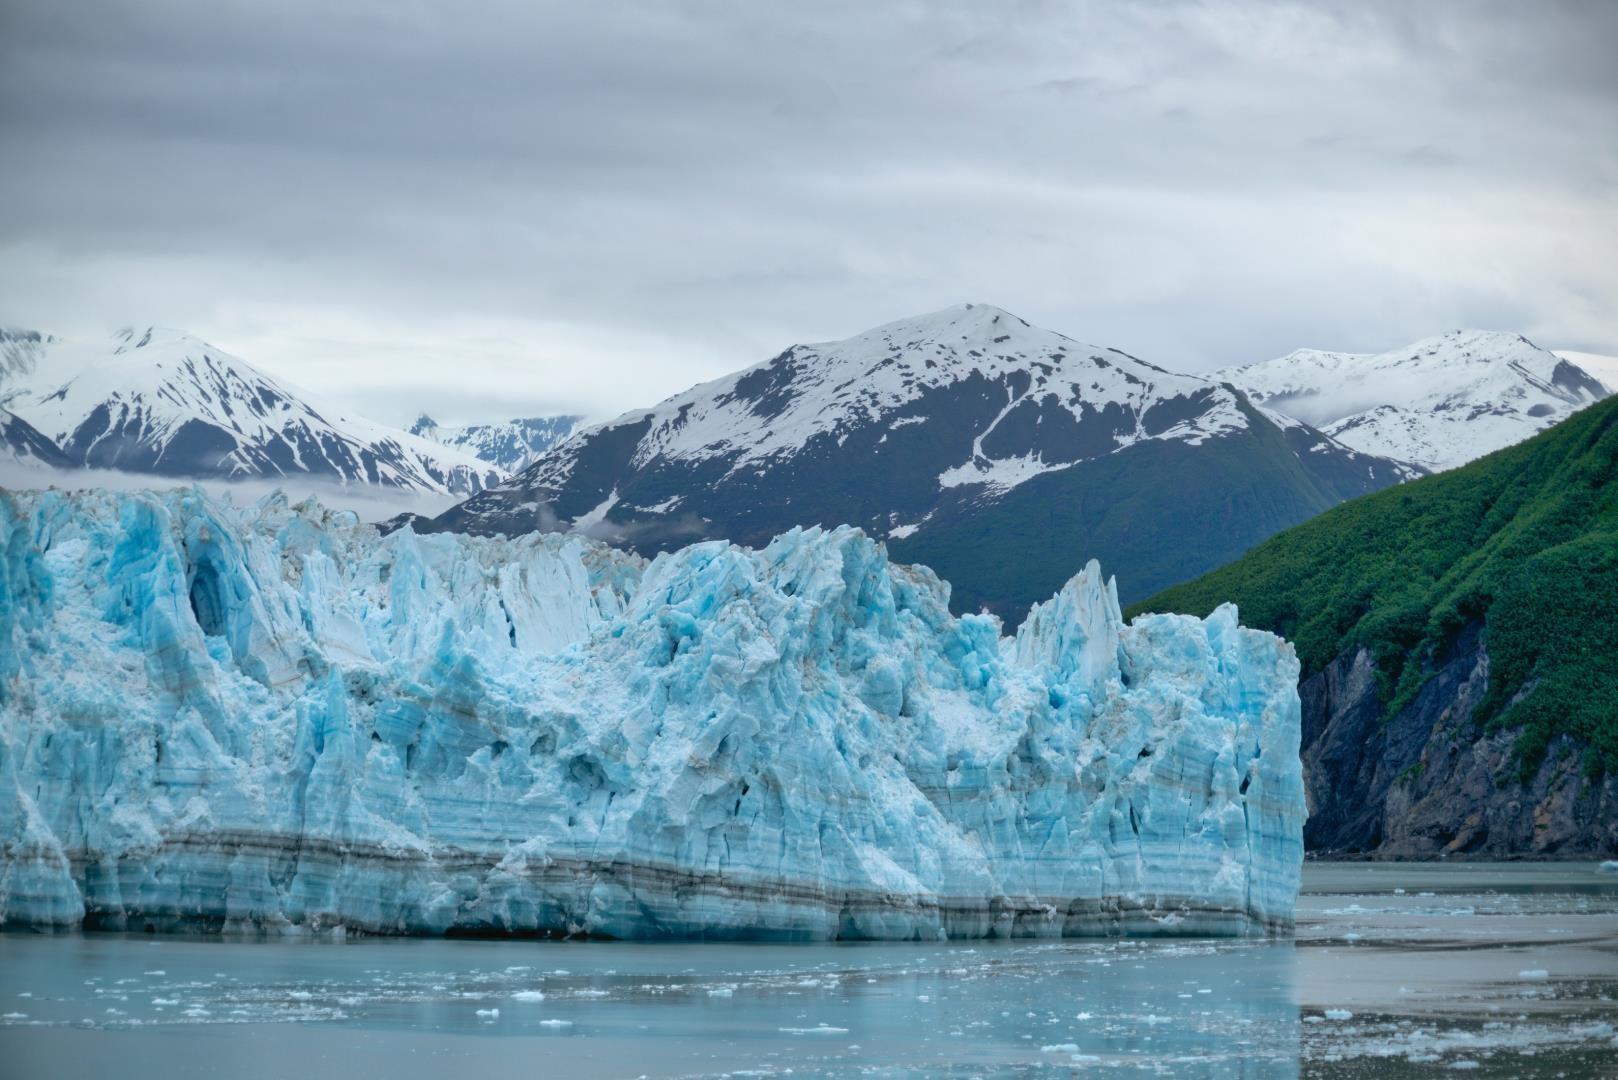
(22, 443)
(1000, 454)
(162, 402)
(1436, 404)
(509, 446)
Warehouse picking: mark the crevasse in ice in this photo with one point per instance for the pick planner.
(273, 718)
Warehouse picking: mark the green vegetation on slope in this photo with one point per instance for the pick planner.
(1524, 540)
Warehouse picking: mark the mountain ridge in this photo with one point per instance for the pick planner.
(160, 401)
(912, 431)
(509, 445)
(1436, 403)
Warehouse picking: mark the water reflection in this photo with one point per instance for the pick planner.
(622, 1009)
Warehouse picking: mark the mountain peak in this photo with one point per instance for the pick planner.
(158, 400)
(1437, 403)
(973, 322)
(1497, 344)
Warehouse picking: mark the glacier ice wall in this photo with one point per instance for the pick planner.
(273, 718)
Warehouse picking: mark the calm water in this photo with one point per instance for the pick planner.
(1499, 970)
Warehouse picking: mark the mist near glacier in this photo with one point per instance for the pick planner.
(370, 502)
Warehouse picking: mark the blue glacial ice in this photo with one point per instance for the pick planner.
(273, 719)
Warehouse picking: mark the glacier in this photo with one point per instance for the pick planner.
(274, 719)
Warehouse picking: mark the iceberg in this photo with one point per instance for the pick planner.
(274, 719)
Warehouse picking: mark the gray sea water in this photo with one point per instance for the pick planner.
(1396, 971)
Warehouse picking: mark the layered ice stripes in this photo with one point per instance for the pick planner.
(274, 719)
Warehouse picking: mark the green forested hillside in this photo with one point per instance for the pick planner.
(1524, 541)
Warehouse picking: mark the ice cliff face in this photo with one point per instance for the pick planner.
(216, 718)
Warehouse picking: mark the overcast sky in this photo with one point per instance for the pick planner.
(483, 210)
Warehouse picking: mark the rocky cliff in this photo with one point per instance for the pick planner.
(1430, 780)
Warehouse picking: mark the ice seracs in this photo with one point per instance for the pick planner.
(255, 719)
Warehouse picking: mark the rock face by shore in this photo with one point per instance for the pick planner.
(224, 719)
(1429, 781)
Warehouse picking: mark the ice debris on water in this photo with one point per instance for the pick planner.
(528, 995)
(606, 746)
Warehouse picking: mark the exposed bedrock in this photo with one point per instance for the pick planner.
(1430, 781)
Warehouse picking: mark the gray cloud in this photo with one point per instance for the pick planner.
(560, 206)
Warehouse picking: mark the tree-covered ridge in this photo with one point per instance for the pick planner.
(1524, 540)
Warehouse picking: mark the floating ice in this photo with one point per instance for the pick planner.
(1339, 1014)
(528, 995)
(275, 719)
(1533, 974)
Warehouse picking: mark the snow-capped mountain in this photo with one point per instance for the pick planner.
(1438, 403)
(1603, 367)
(508, 446)
(160, 401)
(21, 443)
(1001, 454)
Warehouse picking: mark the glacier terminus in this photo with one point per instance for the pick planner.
(273, 718)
